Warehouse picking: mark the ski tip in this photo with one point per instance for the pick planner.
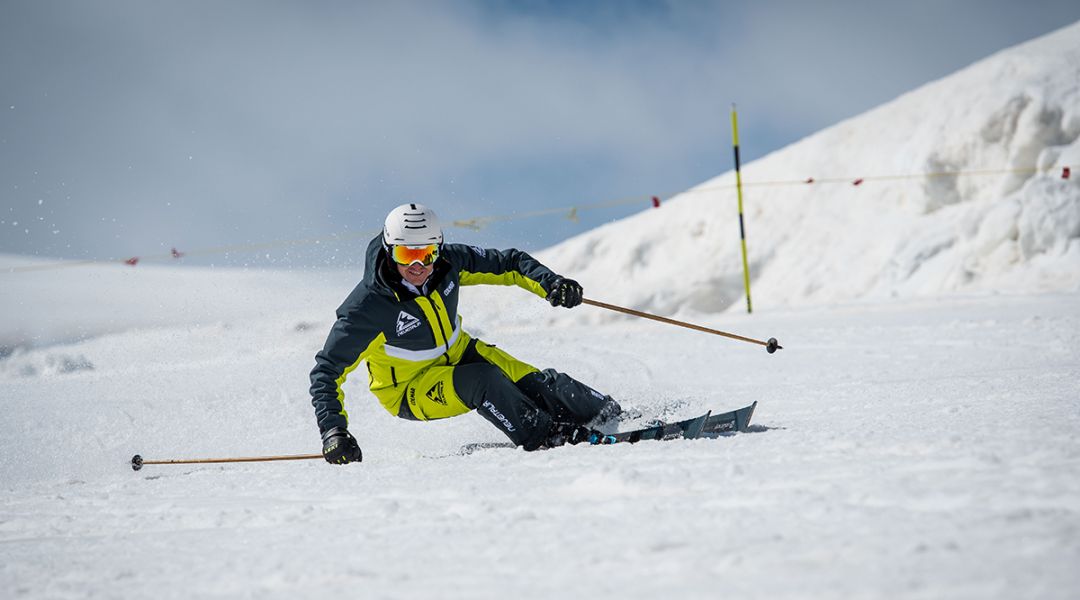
(742, 418)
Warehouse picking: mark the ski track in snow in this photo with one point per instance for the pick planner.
(916, 449)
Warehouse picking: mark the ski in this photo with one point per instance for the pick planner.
(736, 420)
(686, 429)
(706, 425)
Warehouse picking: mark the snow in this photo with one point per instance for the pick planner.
(916, 438)
(1008, 229)
(910, 449)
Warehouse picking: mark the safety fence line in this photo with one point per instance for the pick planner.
(176, 254)
(1065, 173)
(568, 212)
(571, 212)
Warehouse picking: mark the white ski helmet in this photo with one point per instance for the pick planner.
(412, 225)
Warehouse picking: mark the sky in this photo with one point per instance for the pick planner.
(241, 131)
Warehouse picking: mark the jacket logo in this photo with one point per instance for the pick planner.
(448, 289)
(435, 394)
(406, 323)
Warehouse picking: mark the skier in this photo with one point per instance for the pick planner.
(402, 319)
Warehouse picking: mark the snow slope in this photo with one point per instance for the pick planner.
(915, 449)
(916, 438)
(64, 303)
(894, 238)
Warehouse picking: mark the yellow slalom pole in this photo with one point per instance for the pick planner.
(742, 227)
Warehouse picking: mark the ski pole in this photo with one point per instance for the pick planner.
(137, 461)
(771, 345)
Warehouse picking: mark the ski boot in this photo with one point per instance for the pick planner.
(570, 433)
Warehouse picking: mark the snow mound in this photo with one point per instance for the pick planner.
(1016, 113)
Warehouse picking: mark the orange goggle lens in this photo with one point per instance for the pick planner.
(407, 255)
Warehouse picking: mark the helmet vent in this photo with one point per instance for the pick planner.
(412, 224)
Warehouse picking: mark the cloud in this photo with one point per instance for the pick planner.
(140, 125)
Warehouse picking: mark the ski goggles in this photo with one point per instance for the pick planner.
(407, 255)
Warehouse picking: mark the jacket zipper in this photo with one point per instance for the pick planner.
(435, 307)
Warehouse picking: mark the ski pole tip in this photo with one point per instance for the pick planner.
(772, 346)
(136, 462)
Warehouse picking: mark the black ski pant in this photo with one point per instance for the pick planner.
(524, 409)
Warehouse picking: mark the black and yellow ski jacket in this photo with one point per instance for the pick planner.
(400, 333)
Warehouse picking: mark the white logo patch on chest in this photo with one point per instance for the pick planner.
(406, 323)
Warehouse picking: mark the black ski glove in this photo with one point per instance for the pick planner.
(339, 447)
(565, 292)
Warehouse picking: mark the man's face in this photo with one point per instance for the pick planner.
(415, 273)
(414, 263)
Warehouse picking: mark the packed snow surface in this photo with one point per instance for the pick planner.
(915, 438)
(911, 449)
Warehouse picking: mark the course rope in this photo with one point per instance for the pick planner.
(567, 212)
